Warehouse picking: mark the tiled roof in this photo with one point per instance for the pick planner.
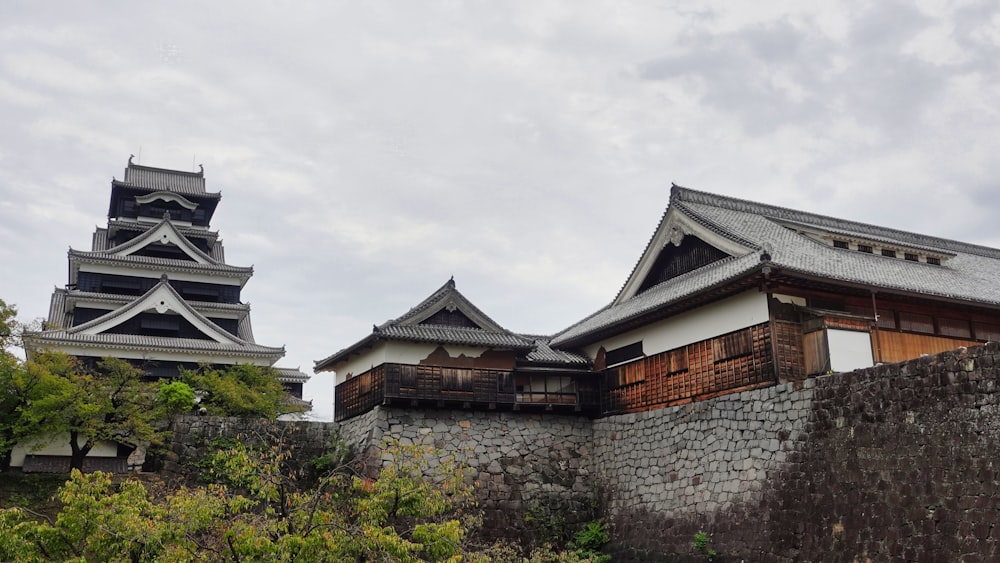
(161, 179)
(448, 295)
(122, 299)
(543, 353)
(453, 335)
(291, 375)
(140, 342)
(245, 329)
(156, 263)
(100, 240)
(57, 309)
(410, 327)
(126, 224)
(164, 224)
(658, 297)
(970, 273)
(77, 335)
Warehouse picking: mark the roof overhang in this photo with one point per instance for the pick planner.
(756, 277)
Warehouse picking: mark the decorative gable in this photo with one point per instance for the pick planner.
(447, 307)
(161, 299)
(676, 259)
(163, 241)
(680, 245)
(452, 317)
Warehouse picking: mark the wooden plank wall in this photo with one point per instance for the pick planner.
(894, 346)
(731, 361)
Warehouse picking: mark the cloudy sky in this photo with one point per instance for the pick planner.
(367, 151)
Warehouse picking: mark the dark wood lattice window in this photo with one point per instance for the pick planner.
(866, 248)
(444, 317)
(956, 328)
(631, 373)
(889, 253)
(987, 332)
(914, 322)
(840, 244)
(453, 379)
(911, 257)
(887, 320)
(732, 345)
(934, 261)
(623, 354)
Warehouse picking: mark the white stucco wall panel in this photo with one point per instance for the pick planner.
(849, 350)
(400, 353)
(737, 312)
(58, 445)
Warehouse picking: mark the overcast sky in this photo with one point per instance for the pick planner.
(367, 151)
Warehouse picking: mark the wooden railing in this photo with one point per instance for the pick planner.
(461, 386)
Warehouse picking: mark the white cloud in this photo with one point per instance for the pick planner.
(366, 152)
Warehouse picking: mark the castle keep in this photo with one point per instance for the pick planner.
(155, 288)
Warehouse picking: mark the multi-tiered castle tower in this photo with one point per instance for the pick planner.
(155, 288)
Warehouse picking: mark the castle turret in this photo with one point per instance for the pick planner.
(155, 288)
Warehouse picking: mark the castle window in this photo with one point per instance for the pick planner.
(889, 253)
(840, 244)
(732, 345)
(160, 325)
(911, 257)
(623, 354)
(954, 327)
(914, 322)
(865, 248)
(934, 261)
(987, 332)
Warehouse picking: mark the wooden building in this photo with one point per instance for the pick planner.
(730, 295)
(155, 288)
(445, 352)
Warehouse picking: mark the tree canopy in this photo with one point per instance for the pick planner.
(418, 507)
(240, 390)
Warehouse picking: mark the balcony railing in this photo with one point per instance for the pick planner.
(464, 387)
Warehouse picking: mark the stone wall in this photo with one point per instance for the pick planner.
(193, 437)
(533, 470)
(893, 463)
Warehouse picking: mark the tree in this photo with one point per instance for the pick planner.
(254, 510)
(240, 390)
(112, 402)
(252, 507)
(21, 384)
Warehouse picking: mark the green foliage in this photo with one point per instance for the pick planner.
(175, 397)
(337, 455)
(587, 543)
(8, 324)
(418, 507)
(240, 390)
(701, 545)
(111, 403)
(547, 522)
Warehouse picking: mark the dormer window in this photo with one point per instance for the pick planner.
(911, 257)
(888, 253)
(865, 248)
(933, 260)
(840, 244)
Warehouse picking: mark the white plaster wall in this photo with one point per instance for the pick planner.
(59, 445)
(849, 350)
(400, 353)
(740, 311)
